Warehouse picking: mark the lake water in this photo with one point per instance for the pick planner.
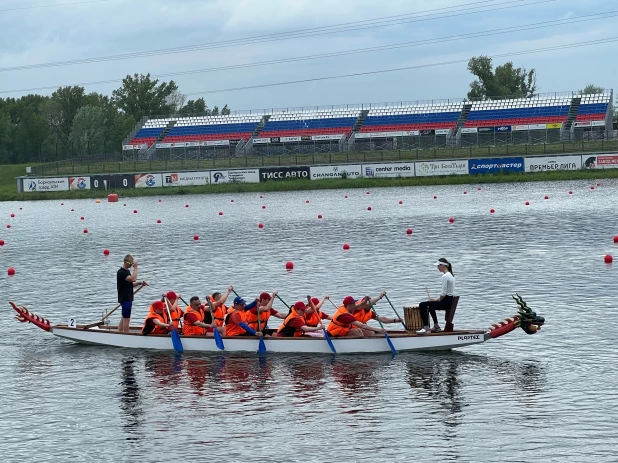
(547, 397)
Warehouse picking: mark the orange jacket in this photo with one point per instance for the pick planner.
(219, 312)
(290, 331)
(364, 315)
(336, 328)
(234, 329)
(155, 316)
(176, 317)
(252, 319)
(313, 319)
(189, 329)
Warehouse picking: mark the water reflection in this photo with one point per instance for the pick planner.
(130, 400)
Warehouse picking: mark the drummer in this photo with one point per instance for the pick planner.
(364, 314)
(443, 302)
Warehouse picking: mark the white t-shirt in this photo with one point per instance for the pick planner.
(448, 284)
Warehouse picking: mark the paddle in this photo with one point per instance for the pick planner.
(100, 322)
(215, 330)
(326, 336)
(176, 342)
(388, 339)
(262, 344)
(389, 301)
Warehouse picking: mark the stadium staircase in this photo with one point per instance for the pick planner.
(357, 125)
(463, 117)
(258, 130)
(573, 111)
(146, 154)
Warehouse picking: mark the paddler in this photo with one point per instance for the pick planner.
(236, 321)
(265, 305)
(175, 311)
(365, 314)
(156, 321)
(344, 324)
(313, 314)
(194, 319)
(217, 301)
(294, 325)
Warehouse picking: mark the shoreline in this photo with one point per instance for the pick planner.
(326, 184)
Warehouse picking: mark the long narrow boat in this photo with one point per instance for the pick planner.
(401, 340)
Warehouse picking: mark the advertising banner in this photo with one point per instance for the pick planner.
(284, 173)
(164, 145)
(492, 165)
(321, 172)
(485, 130)
(468, 130)
(545, 163)
(583, 124)
(537, 126)
(326, 137)
(232, 176)
(502, 128)
(427, 132)
(394, 134)
(519, 127)
(79, 183)
(597, 123)
(261, 141)
(430, 168)
(215, 143)
(290, 139)
(443, 131)
(127, 147)
(362, 135)
(397, 169)
(186, 178)
(45, 184)
(148, 180)
(597, 162)
(554, 125)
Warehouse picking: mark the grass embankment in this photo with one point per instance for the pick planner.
(8, 188)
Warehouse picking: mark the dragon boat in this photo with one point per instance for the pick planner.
(402, 340)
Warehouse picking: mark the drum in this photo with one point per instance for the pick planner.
(412, 318)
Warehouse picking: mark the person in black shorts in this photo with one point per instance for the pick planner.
(125, 281)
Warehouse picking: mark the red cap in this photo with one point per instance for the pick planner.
(315, 300)
(349, 300)
(264, 296)
(158, 305)
(171, 295)
(300, 305)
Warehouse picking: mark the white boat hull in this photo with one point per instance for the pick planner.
(403, 341)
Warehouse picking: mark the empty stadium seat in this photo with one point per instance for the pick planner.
(310, 123)
(412, 117)
(593, 107)
(519, 111)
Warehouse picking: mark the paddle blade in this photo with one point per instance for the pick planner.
(390, 344)
(261, 346)
(218, 339)
(330, 343)
(176, 342)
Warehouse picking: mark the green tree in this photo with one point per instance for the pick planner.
(505, 80)
(60, 111)
(142, 96)
(197, 107)
(591, 89)
(5, 128)
(215, 111)
(226, 111)
(88, 130)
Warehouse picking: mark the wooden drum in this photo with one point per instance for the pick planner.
(412, 318)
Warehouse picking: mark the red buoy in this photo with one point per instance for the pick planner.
(479, 188)
(435, 197)
(261, 196)
(527, 203)
(195, 237)
(112, 198)
(346, 196)
(85, 230)
(570, 192)
(81, 218)
(465, 192)
(319, 216)
(159, 200)
(307, 201)
(263, 207)
(369, 208)
(289, 265)
(106, 252)
(186, 205)
(409, 231)
(8, 226)
(616, 239)
(400, 202)
(451, 220)
(125, 204)
(608, 259)
(72, 210)
(346, 246)
(1, 242)
(12, 215)
(220, 213)
(260, 225)
(491, 211)
(546, 197)
(20, 208)
(135, 211)
(158, 220)
(592, 188)
(11, 271)
(231, 200)
(367, 192)
(62, 204)
(598, 184)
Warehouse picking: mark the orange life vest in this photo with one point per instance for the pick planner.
(336, 328)
(162, 317)
(233, 329)
(363, 315)
(219, 312)
(252, 319)
(313, 319)
(177, 315)
(189, 329)
(288, 331)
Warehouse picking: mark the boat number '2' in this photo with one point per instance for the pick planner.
(468, 338)
(72, 323)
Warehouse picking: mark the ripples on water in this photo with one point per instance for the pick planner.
(548, 397)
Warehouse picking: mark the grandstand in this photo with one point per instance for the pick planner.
(539, 119)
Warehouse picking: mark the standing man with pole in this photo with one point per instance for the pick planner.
(125, 281)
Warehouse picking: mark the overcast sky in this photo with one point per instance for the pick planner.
(33, 32)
